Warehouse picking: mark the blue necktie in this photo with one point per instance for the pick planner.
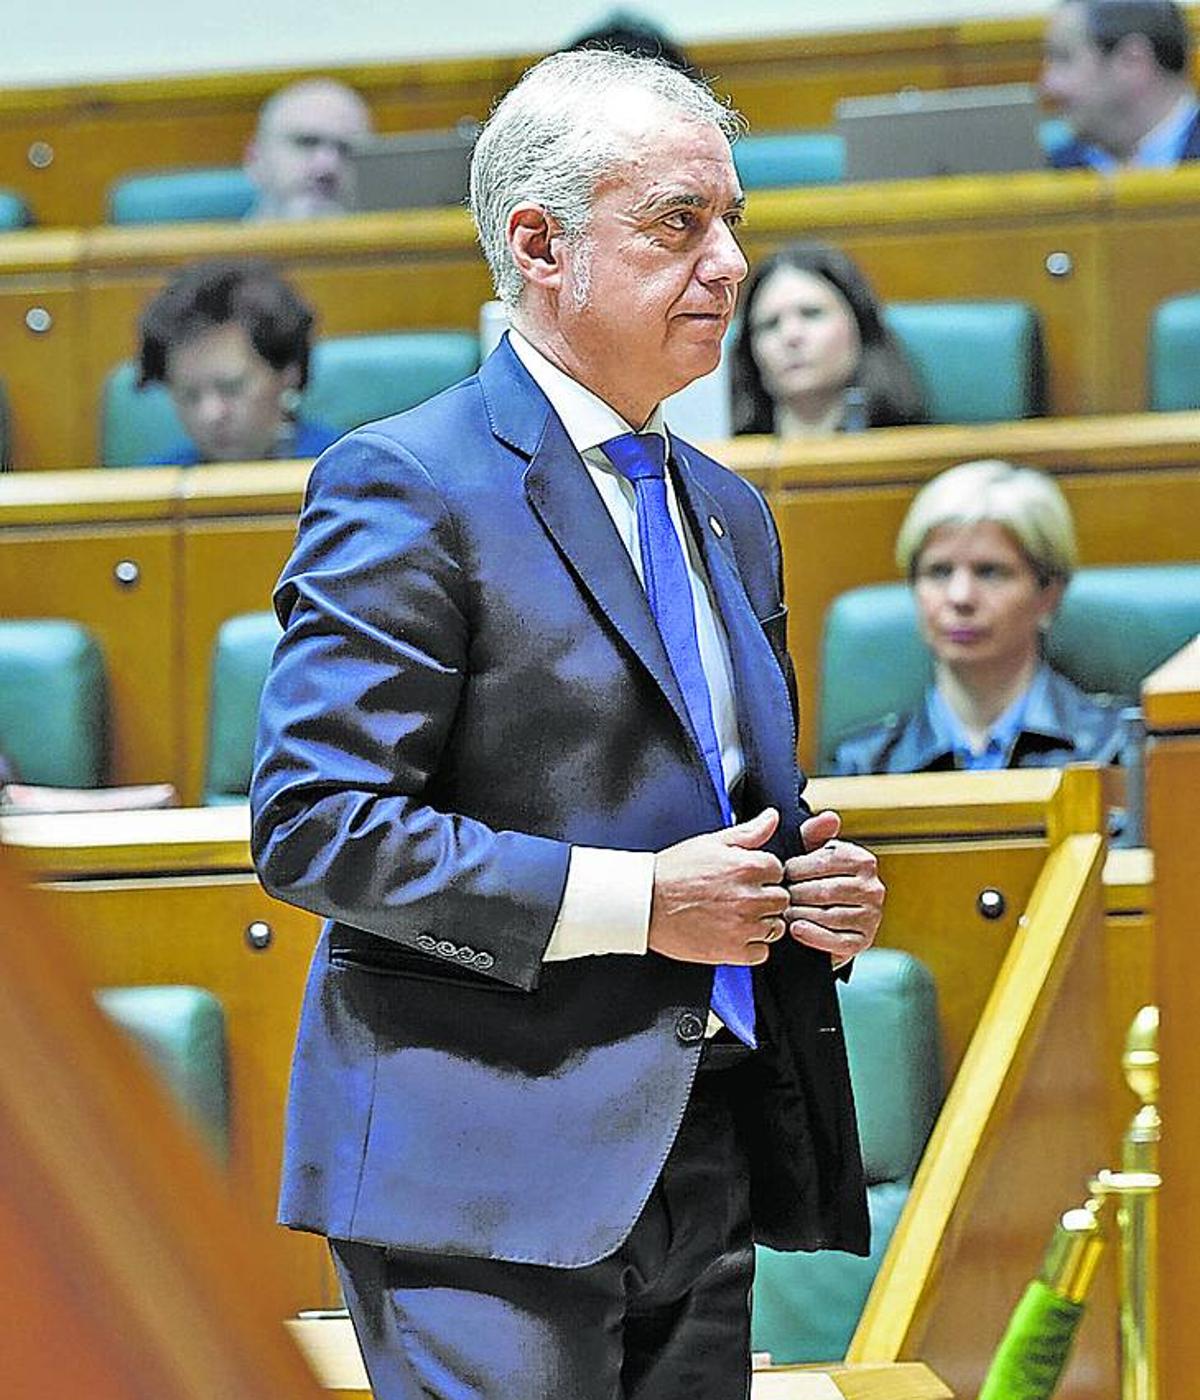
(641, 457)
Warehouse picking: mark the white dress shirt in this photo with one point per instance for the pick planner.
(606, 902)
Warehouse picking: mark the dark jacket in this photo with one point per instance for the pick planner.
(469, 682)
(1073, 156)
(1064, 726)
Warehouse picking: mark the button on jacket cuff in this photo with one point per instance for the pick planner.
(605, 906)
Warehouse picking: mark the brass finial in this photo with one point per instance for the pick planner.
(1140, 1060)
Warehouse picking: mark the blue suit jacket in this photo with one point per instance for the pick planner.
(1074, 154)
(469, 682)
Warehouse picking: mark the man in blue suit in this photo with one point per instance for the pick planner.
(1118, 71)
(571, 1039)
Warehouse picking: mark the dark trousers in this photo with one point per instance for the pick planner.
(666, 1317)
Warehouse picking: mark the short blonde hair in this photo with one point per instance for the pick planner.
(1027, 503)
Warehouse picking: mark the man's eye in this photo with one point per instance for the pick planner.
(735, 218)
(938, 572)
(681, 220)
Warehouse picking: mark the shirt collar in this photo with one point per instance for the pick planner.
(1162, 146)
(1001, 738)
(588, 420)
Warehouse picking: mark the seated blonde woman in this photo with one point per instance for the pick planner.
(988, 549)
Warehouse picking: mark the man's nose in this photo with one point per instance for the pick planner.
(724, 259)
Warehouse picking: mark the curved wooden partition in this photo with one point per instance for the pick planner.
(1171, 701)
(1026, 1119)
(131, 1271)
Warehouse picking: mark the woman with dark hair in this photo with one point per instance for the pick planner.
(812, 353)
(230, 340)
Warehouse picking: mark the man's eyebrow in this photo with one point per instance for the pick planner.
(659, 201)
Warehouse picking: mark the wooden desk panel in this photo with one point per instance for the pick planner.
(246, 557)
(69, 573)
(191, 930)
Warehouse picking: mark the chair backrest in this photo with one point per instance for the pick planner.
(53, 703)
(182, 1031)
(1174, 354)
(352, 379)
(241, 657)
(169, 196)
(776, 160)
(806, 1306)
(1114, 627)
(979, 361)
(14, 212)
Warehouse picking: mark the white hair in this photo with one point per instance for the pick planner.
(550, 139)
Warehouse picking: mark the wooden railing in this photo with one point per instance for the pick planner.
(1071, 244)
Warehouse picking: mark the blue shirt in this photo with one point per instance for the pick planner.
(997, 751)
(1160, 149)
(306, 440)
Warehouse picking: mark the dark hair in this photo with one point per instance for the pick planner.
(891, 394)
(1160, 22)
(206, 295)
(631, 33)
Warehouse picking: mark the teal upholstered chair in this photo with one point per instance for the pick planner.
(53, 703)
(182, 1032)
(1114, 627)
(776, 160)
(169, 196)
(240, 659)
(1174, 369)
(14, 212)
(979, 361)
(806, 1306)
(352, 379)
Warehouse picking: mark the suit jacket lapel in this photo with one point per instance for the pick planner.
(761, 694)
(561, 493)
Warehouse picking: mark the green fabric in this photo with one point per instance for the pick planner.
(1034, 1349)
(165, 196)
(1115, 626)
(182, 1032)
(352, 380)
(806, 1306)
(778, 159)
(240, 660)
(53, 703)
(979, 361)
(14, 212)
(1175, 354)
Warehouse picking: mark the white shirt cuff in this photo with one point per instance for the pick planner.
(605, 906)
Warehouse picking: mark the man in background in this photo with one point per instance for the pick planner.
(1118, 72)
(299, 157)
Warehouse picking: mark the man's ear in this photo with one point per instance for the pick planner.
(532, 239)
(1134, 54)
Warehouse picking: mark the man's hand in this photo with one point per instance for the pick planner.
(719, 898)
(836, 895)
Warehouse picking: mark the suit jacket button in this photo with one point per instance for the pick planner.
(689, 1028)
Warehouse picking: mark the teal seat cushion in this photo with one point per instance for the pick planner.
(53, 703)
(14, 212)
(182, 1031)
(979, 361)
(168, 196)
(352, 380)
(358, 378)
(240, 660)
(1174, 370)
(806, 1306)
(777, 160)
(1115, 626)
